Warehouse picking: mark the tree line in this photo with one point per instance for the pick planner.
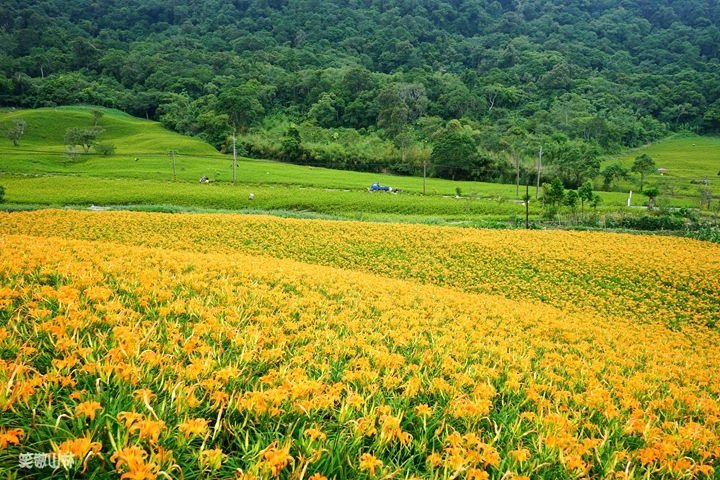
(474, 88)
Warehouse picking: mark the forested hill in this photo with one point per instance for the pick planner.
(595, 74)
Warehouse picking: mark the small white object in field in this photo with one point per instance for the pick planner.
(251, 196)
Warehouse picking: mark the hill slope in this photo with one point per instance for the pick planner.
(42, 151)
(142, 154)
(611, 74)
(688, 160)
(146, 344)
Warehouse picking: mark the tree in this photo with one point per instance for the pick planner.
(705, 196)
(15, 133)
(215, 128)
(97, 116)
(105, 149)
(357, 80)
(514, 142)
(455, 153)
(652, 193)
(399, 105)
(496, 65)
(573, 161)
(324, 112)
(497, 95)
(644, 165)
(404, 141)
(393, 112)
(242, 105)
(571, 201)
(84, 137)
(553, 196)
(711, 118)
(292, 149)
(585, 193)
(612, 173)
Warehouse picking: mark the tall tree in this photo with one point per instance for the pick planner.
(573, 161)
(612, 173)
(16, 131)
(83, 137)
(242, 105)
(454, 153)
(643, 165)
(585, 193)
(553, 197)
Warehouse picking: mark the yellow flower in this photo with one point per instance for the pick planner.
(477, 474)
(144, 395)
(369, 463)
(77, 394)
(196, 426)
(129, 418)
(212, 459)
(80, 447)
(148, 429)
(141, 471)
(275, 459)
(423, 410)
(128, 457)
(434, 460)
(132, 461)
(315, 434)
(88, 409)
(10, 437)
(520, 454)
(354, 323)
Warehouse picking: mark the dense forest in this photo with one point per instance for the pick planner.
(473, 87)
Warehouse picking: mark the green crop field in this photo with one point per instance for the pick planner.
(142, 152)
(60, 191)
(39, 173)
(687, 158)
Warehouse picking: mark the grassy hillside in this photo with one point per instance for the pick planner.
(42, 151)
(133, 136)
(686, 157)
(140, 173)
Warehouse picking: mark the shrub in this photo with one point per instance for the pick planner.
(709, 233)
(105, 149)
(645, 222)
(2, 194)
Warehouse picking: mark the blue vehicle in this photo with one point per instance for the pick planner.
(376, 187)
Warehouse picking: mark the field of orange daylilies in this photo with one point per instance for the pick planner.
(143, 346)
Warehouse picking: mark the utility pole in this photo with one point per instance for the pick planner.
(539, 173)
(424, 174)
(234, 155)
(527, 201)
(172, 157)
(517, 175)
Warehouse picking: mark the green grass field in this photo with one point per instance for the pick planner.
(60, 191)
(142, 152)
(38, 172)
(686, 157)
